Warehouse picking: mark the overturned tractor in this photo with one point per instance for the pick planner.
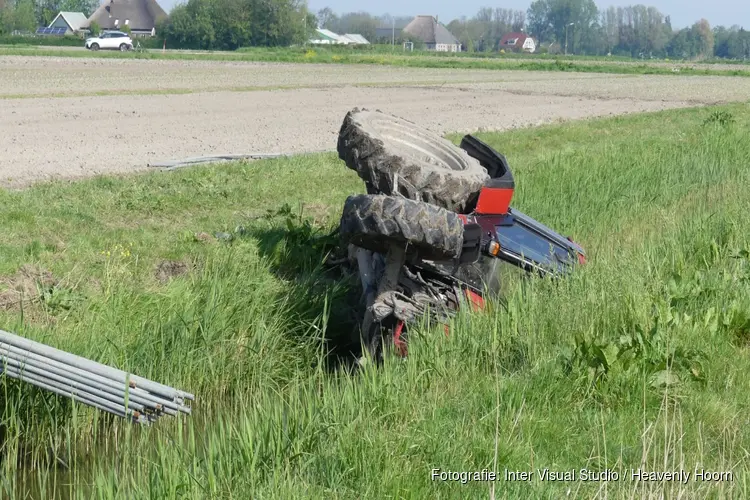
(434, 225)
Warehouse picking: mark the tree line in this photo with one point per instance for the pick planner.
(638, 31)
(573, 26)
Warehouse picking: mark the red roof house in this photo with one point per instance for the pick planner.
(518, 42)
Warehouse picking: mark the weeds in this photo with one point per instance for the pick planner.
(719, 117)
(646, 351)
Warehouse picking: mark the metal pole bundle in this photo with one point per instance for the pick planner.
(88, 382)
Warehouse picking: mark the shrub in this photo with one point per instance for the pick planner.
(55, 41)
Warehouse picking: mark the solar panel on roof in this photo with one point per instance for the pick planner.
(51, 31)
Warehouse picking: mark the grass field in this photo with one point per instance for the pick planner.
(639, 360)
(417, 60)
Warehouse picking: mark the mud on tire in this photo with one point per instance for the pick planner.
(393, 155)
(376, 222)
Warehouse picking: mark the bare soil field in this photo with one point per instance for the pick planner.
(23, 76)
(140, 114)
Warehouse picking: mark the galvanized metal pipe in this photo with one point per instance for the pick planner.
(96, 381)
(43, 374)
(40, 370)
(186, 162)
(63, 390)
(93, 366)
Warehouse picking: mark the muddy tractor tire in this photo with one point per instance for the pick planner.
(376, 222)
(395, 156)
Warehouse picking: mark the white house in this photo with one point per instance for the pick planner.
(72, 22)
(518, 41)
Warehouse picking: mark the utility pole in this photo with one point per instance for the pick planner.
(393, 33)
(566, 37)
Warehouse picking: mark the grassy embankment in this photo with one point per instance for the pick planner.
(401, 59)
(638, 360)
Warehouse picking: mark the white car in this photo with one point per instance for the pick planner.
(110, 40)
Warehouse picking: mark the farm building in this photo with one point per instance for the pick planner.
(140, 15)
(328, 37)
(518, 42)
(72, 22)
(434, 35)
(356, 39)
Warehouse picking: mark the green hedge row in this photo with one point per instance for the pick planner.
(55, 41)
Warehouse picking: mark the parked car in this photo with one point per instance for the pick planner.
(110, 40)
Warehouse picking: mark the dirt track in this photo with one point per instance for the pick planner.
(143, 113)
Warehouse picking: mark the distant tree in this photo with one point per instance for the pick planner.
(87, 7)
(327, 19)
(551, 20)
(389, 21)
(519, 20)
(610, 29)
(6, 18)
(539, 22)
(46, 11)
(732, 43)
(230, 24)
(484, 31)
(680, 46)
(705, 37)
(24, 17)
(360, 23)
(691, 42)
(593, 40)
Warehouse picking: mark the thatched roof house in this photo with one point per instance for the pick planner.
(140, 15)
(434, 35)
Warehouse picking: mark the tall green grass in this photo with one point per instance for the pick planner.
(639, 359)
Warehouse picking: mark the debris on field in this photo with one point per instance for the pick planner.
(203, 237)
(27, 285)
(168, 269)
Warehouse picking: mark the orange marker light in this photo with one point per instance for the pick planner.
(493, 248)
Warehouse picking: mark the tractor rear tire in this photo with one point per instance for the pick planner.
(395, 156)
(376, 222)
